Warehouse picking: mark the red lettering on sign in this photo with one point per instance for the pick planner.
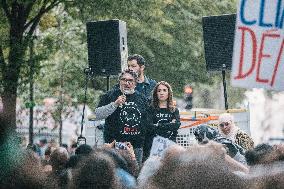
(277, 63)
(262, 55)
(245, 30)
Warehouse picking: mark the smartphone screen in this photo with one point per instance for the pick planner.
(120, 145)
(81, 140)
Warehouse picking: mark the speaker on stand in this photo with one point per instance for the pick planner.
(107, 54)
(107, 47)
(218, 35)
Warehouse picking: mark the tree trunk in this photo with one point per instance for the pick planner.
(17, 13)
(9, 109)
(11, 76)
(8, 122)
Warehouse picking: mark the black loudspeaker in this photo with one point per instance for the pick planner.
(107, 47)
(218, 34)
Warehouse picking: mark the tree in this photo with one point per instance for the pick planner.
(62, 75)
(22, 18)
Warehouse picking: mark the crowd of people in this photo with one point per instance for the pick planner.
(203, 165)
(136, 110)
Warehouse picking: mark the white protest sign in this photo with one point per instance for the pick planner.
(160, 144)
(258, 58)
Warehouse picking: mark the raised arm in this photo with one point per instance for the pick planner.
(103, 111)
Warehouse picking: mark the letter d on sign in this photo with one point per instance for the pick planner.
(241, 73)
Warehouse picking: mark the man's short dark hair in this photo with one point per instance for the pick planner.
(83, 149)
(140, 60)
(43, 141)
(34, 148)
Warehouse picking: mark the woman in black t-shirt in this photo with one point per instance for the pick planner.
(164, 115)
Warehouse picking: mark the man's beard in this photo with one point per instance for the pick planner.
(127, 91)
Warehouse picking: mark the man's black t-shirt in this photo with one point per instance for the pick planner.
(129, 121)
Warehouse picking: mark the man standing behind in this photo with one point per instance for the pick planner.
(125, 111)
(144, 85)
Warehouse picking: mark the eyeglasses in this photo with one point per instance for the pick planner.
(131, 81)
(224, 124)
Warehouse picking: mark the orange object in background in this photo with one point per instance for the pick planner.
(194, 121)
(187, 89)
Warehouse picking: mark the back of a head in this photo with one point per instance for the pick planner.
(96, 170)
(53, 143)
(274, 181)
(173, 151)
(73, 161)
(59, 158)
(83, 149)
(43, 141)
(64, 146)
(26, 171)
(212, 151)
(183, 172)
(34, 148)
(118, 160)
(259, 155)
(267, 176)
(48, 151)
(74, 145)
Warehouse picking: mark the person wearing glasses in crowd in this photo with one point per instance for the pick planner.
(228, 129)
(125, 113)
(164, 115)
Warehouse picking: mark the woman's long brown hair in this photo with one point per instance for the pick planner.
(155, 100)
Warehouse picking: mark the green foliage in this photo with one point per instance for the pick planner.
(167, 33)
(47, 21)
(62, 74)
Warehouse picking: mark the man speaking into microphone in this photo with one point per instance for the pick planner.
(125, 112)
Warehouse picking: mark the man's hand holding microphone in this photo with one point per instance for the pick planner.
(120, 100)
